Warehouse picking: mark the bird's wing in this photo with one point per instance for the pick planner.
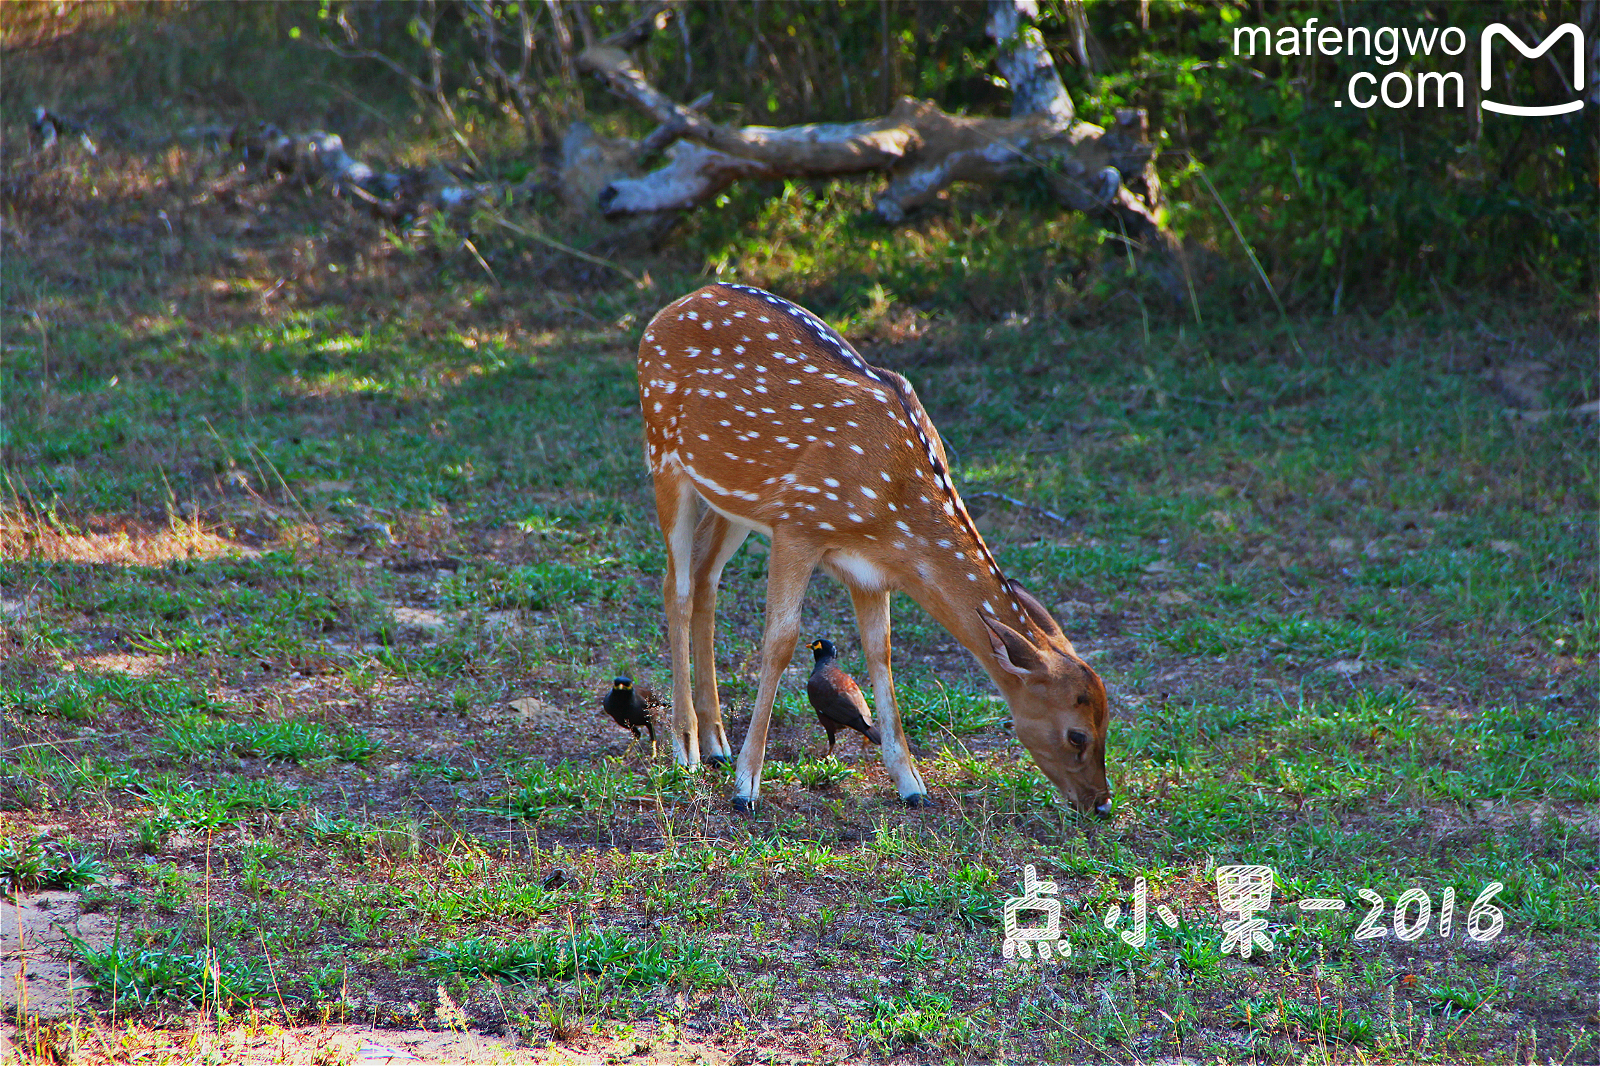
(835, 694)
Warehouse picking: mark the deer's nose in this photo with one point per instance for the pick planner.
(1103, 809)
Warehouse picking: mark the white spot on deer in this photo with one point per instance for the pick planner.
(884, 474)
(825, 525)
(971, 576)
(868, 493)
(859, 571)
(706, 324)
(692, 316)
(831, 495)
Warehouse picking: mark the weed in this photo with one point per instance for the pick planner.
(965, 896)
(811, 773)
(917, 1017)
(611, 958)
(288, 739)
(34, 864)
(133, 976)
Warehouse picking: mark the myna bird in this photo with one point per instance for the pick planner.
(630, 708)
(836, 697)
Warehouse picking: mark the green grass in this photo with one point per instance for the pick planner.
(610, 959)
(289, 739)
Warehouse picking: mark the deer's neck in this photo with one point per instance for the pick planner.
(959, 585)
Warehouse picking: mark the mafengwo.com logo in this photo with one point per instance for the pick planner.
(1401, 88)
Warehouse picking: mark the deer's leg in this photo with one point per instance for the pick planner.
(715, 540)
(789, 568)
(675, 509)
(872, 621)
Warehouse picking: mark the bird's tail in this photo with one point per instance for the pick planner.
(874, 736)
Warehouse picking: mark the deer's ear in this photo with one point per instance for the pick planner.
(1040, 615)
(1013, 652)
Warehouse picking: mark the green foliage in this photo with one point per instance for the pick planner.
(807, 771)
(82, 694)
(966, 896)
(611, 958)
(287, 739)
(1014, 786)
(134, 976)
(1341, 200)
(35, 864)
(917, 1017)
(181, 805)
(564, 786)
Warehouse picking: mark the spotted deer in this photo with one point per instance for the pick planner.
(759, 408)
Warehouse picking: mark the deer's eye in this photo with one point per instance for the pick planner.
(1078, 738)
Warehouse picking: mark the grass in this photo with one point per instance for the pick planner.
(289, 740)
(283, 565)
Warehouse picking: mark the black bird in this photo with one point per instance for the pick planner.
(837, 698)
(630, 708)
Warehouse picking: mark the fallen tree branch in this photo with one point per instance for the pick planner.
(1013, 501)
(919, 147)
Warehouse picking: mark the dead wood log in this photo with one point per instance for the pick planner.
(922, 149)
(320, 156)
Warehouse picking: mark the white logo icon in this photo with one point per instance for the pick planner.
(1501, 30)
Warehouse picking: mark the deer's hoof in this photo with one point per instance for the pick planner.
(745, 806)
(918, 800)
(717, 760)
